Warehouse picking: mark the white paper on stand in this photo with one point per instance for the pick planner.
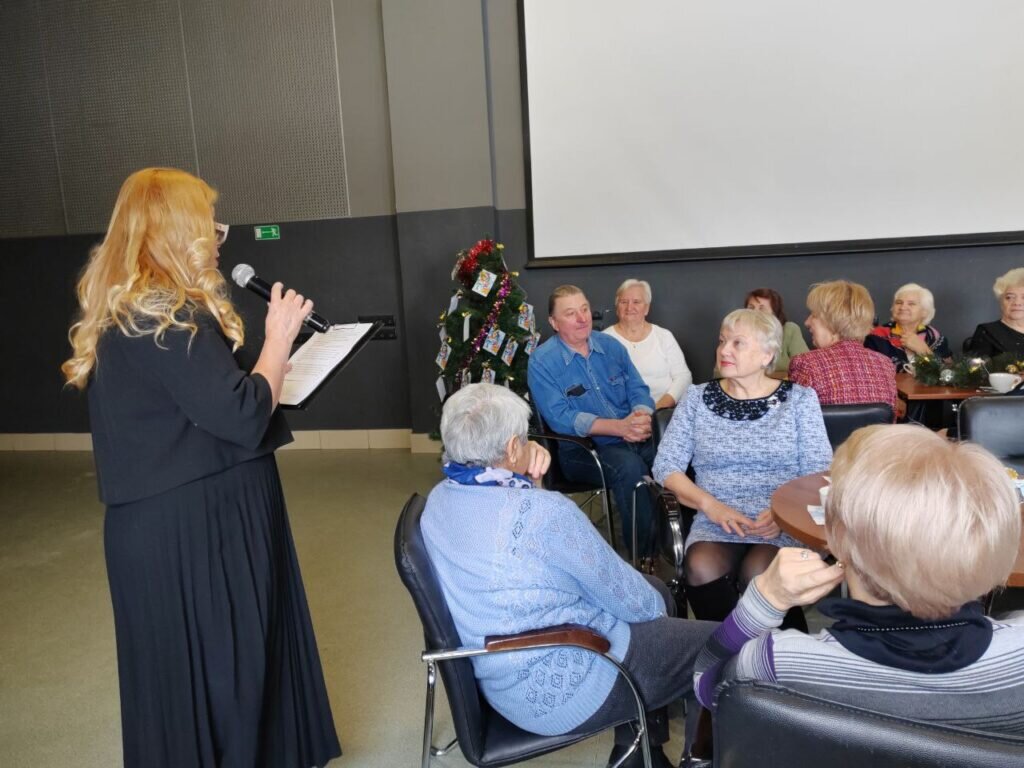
(314, 360)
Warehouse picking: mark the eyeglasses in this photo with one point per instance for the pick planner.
(220, 232)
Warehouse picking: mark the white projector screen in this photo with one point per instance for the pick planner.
(672, 128)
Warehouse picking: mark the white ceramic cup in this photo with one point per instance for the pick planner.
(1004, 382)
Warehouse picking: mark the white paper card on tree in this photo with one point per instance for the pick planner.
(494, 340)
(465, 378)
(531, 344)
(442, 356)
(510, 352)
(453, 303)
(465, 328)
(487, 376)
(484, 282)
(442, 332)
(526, 317)
(441, 391)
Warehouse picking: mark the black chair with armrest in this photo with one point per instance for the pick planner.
(673, 521)
(843, 420)
(484, 736)
(770, 726)
(995, 423)
(555, 479)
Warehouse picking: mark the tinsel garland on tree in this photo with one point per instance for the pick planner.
(489, 330)
(967, 373)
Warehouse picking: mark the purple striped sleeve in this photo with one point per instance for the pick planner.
(754, 617)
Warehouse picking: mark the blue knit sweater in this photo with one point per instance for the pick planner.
(511, 560)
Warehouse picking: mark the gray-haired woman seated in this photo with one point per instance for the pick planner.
(512, 557)
(921, 527)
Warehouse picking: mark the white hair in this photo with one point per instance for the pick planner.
(765, 326)
(927, 299)
(632, 283)
(478, 420)
(1012, 279)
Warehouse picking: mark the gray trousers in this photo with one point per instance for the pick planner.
(660, 660)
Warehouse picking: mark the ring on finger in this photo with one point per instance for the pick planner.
(804, 554)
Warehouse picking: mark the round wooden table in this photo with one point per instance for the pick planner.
(789, 508)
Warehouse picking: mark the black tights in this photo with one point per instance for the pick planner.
(717, 572)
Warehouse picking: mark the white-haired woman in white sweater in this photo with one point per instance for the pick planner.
(653, 350)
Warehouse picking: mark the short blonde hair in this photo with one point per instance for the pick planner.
(926, 523)
(560, 292)
(766, 327)
(1012, 279)
(633, 283)
(845, 307)
(927, 299)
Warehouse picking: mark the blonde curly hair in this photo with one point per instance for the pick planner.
(154, 270)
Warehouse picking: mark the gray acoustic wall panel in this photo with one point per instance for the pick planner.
(30, 200)
(264, 84)
(119, 93)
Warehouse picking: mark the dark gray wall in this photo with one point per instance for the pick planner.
(429, 96)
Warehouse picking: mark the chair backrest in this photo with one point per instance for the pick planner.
(843, 420)
(469, 709)
(660, 422)
(997, 424)
(768, 725)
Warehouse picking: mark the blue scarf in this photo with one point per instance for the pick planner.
(888, 635)
(468, 474)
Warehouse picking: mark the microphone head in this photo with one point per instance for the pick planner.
(242, 274)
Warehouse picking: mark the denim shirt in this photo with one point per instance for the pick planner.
(572, 391)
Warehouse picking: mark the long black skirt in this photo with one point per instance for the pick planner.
(217, 660)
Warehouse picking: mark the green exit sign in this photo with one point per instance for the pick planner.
(268, 232)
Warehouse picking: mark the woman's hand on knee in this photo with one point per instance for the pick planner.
(764, 526)
(728, 518)
(797, 577)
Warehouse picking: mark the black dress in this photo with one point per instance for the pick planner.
(996, 338)
(217, 660)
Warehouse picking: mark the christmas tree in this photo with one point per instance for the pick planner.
(488, 331)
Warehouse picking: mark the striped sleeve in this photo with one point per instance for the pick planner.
(747, 632)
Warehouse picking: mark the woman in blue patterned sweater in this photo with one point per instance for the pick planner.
(512, 557)
(744, 435)
(922, 527)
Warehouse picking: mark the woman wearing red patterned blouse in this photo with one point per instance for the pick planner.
(840, 369)
(908, 334)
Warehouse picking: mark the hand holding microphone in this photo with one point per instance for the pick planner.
(245, 276)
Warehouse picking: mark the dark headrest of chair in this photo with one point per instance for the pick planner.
(843, 420)
(768, 725)
(997, 424)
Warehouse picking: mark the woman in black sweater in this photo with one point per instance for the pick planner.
(217, 661)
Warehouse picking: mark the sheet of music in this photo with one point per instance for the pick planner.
(314, 360)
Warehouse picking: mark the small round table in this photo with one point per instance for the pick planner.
(789, 509)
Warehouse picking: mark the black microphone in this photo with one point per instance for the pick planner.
(245, 276)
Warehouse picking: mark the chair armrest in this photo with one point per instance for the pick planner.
(565, 634)
(583, 442)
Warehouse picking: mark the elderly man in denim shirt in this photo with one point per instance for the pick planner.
(583, 383)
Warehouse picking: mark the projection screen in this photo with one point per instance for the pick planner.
(663, 129)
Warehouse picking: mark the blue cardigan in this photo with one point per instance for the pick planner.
(511, 560)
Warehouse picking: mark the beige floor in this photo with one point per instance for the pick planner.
(58, 674)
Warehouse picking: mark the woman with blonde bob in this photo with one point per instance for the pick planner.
(1005, 335)
(744, 435)
(840, 369)
(217, 661)
(921, 528)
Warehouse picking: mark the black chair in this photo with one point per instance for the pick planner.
(843, 420)
(484, 736)
(997, 424)
(673, 521)
(771, 726)
(555, 479)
